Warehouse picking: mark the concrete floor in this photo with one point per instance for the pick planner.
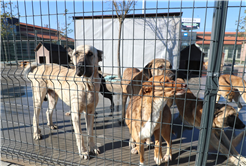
(59, 146)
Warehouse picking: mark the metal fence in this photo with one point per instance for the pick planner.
(171, 98)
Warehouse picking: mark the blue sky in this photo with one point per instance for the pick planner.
(50, 12)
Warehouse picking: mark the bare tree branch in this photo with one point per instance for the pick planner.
(122, 8)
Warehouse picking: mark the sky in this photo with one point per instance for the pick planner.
(49, 13)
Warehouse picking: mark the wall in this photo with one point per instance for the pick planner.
(134, 53)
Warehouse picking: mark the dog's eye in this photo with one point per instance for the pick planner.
(89, 53)
(217, 114)
(160, 67)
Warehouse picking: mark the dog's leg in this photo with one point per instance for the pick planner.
(235, 140)
(78, 133)
(38, 98)
(218, 97)
(52, 99)
(89, 126)
(165, 133)
(140, 148)
(124, 99)
(214, 141)
(227, 142)
(112, 104)
(238, 139)
(158, 150)
(237, 100)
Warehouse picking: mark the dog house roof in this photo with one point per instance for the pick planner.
(51, 47)
(195, 53)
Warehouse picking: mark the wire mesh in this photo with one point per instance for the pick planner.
(181, 87)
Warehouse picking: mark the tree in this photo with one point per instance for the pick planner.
(242, 29)
(7, 25)
(63, 29)
(122, 8)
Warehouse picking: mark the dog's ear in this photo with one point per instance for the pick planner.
(99, 54)
(146, 87)
(147, 70)
(218, 106)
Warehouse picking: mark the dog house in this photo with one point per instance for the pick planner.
(51, 53)
(192, 57)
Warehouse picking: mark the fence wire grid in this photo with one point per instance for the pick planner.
(123, 82)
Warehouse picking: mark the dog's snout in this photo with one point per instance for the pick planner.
(238, 125)
(81, 64)
(172, 76)
(229, 100)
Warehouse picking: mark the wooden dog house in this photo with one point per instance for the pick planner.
(51, 53)
(195, 61)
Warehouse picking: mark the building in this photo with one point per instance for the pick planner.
(230, 41)
(144, 37)
(23, 39)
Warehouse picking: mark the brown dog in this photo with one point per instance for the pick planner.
(228, 84)
(146, 112)
(224, 116)
(78, 88)
(133, 78)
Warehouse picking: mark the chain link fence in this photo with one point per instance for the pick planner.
(158, 76)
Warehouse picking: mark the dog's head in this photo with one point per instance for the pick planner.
(225, 116)
(69, 52)
(230, 95)
(159, 67)
(86, 59)
(163, 86)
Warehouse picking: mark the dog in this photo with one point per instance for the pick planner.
(24, 63)
(103, 88)
(133, 78)
(224, 116)
(230, 87)
(146, 113)
(77, 87)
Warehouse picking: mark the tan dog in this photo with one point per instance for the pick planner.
(78, 88)
(224, 116)
(133, 78)
(146, 112)
(24, 63)
(227, 86)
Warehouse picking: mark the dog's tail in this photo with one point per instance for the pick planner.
(29, 68)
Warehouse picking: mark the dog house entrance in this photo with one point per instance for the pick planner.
(42, 59)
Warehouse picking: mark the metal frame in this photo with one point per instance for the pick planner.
(59, 148)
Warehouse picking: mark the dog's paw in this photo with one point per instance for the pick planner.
(39, 131)
(141, 164)
(134, 150)
(242, 161)
(158, 160)
(84, 155)
(149, 143)
(53, 127)
(37, 136)
(96, 151)
(112, 108)
(167, 157)
(67, 113)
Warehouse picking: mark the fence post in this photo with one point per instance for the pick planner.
(216, 49)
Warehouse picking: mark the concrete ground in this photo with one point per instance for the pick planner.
(59, 146)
